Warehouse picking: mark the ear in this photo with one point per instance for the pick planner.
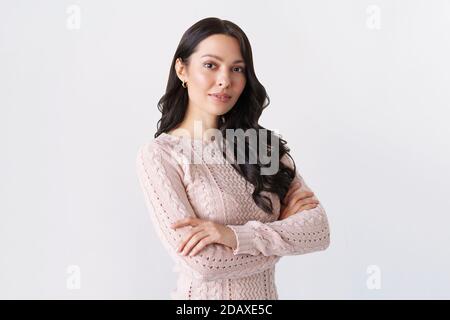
(180, 69)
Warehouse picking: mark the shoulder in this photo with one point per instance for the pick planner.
(159, 153)
(157, 147)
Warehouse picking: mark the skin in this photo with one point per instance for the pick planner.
(203, 76)
(206, 75)
(297, 200)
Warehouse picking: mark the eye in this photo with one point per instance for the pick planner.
(242, 70)
(208, 64)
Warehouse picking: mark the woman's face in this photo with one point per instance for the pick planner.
(215, 67)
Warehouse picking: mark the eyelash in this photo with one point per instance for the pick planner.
(243, 69)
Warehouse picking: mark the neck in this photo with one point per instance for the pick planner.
(198, 125)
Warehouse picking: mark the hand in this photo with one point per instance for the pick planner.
(204, 232)
(296, 201)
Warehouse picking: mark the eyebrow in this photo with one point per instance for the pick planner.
(218, 58)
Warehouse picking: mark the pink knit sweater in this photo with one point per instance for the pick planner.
(175, 186)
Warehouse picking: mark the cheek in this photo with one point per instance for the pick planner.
(240, 84)
(203, 80)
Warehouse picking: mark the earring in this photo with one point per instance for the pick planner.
(183, 84)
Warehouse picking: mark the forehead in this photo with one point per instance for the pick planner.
(222, 46)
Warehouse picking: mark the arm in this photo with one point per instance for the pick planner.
(160, 178)
(303, 232)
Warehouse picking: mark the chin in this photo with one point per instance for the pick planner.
(219, 110)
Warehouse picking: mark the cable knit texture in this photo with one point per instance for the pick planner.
(183, 177)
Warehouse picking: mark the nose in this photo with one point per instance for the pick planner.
(224, 80)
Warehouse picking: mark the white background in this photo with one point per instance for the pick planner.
(359, 89)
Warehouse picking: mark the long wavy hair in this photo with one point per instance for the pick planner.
(244, 114)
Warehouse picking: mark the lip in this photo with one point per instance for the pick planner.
(220, 97)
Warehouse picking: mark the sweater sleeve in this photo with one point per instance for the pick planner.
(160, 178)
(303, 232)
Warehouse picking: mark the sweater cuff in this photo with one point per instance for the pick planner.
(244, 238)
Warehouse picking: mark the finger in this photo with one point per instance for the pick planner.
(184, 222)
(308, 207)
(302, 201)
(201, 245)
(294, 186)
(193, 242)
(285, 211)
(193, 232)
(283, 216)
(300, 206)
(310, 203)
(288, 212)
(298, 195)
(305, 201)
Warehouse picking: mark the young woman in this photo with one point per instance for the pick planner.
(225, 224)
